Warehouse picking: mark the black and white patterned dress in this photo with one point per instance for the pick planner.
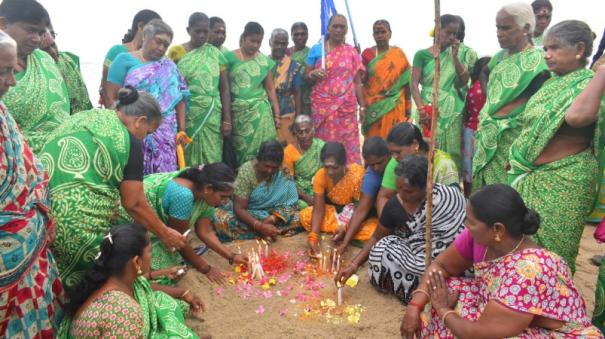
(396, 262)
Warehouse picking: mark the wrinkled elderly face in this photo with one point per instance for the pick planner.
(155, 48)
(508, 32)
(279, 44)
(8, 62)
(561, 58)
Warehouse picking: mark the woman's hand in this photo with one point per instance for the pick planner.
(226, 128)
(345, 273)
(196, 304)
(240, 259)
(172, 239)
(268, 230)
(182, 138)
(171, 273)
(277, 122)
(314, 250)
(362, 114)
(455, 48)
(317, 74)
(410, 323)
(441, 299)
(216, 276)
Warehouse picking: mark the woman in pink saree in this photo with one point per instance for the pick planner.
(518, 290)
(337, 89)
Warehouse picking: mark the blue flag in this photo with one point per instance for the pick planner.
(327, 10)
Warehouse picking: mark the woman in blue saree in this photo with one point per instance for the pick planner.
(149, 71)
(265, 201)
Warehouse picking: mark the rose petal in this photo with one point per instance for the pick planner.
(260, 309)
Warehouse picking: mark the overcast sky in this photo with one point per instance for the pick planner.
(89, 28)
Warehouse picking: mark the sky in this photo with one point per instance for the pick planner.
(89, 28)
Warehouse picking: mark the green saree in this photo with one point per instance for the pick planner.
(252, 113)
(301, 58)
(306, 167)
(39, 101)
(509, 78)
(451, 98)
(561, 191)
(85, 159)
(162, 316)
(155, 186)
(69, 66)
(202, 68)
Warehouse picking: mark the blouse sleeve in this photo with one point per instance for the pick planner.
(464, 245)
(245, 182)
(314, 55)
(420, 58)
(178, 201)
(119, 68)
(389, 178)
(319, 182)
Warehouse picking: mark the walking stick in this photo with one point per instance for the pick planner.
(431, 155)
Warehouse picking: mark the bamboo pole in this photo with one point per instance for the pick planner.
(431, 155)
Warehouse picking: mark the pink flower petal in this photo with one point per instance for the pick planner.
(260, 309)
(267, 294)
(220, 291)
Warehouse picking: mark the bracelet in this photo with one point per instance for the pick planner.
(313, 236)
(419, 290)
(185, 293)
(363, 109)
(418, 306)
(256, 223)
(206, 270)
(446, 314)
(227, 123)
(231, 258)
(149, 275)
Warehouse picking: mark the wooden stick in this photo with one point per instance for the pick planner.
(431, 155)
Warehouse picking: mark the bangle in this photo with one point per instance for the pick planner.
(230, 258)
(363, 109)
(227, 123)
(149, 275)
(256, 223)
(185, 293)
(446, 314)
(418, 306)
(206, 270)
(419, 290)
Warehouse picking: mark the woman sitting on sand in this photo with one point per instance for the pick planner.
(265, 201)
(519, 289)
(396, 251)
(337, 191)
(115, 299)
(302, 157)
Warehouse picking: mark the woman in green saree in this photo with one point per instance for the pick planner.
(253, 94)
(453, 76)
(515, 74)
(186, 199)
(265, 199)
(554, 159)
(299, 53)
(208, 119)
(94, 162)
(301, 159)
(39, 101)
(115, 299)
(69, 66)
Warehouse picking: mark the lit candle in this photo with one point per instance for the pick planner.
(339, 294)
(338, 263)
(259, 247)
(266, 248)
(321, 262)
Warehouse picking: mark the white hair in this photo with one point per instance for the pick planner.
(6, 40)
(277, 32)
(522, 13)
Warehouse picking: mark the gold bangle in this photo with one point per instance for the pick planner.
(419, 290)
(446, 314)
(185, 293)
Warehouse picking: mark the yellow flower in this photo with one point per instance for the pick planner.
(266, 286)
(528, 269)
(237, 269)
(352, 281)
(272, 281)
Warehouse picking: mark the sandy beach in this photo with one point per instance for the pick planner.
(275, 312)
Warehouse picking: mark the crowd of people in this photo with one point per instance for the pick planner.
(231, 144)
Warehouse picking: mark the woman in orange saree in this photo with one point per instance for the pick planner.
(386, 89)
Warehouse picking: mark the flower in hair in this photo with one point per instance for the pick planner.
(108, 236)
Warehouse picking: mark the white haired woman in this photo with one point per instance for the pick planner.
(515, 74)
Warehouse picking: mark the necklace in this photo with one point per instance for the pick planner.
(511, 251)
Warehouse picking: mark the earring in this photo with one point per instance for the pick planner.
(578, 56)
(497, 238)
(139, 272)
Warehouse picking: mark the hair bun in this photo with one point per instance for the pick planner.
(127, 95)
(531, 222)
